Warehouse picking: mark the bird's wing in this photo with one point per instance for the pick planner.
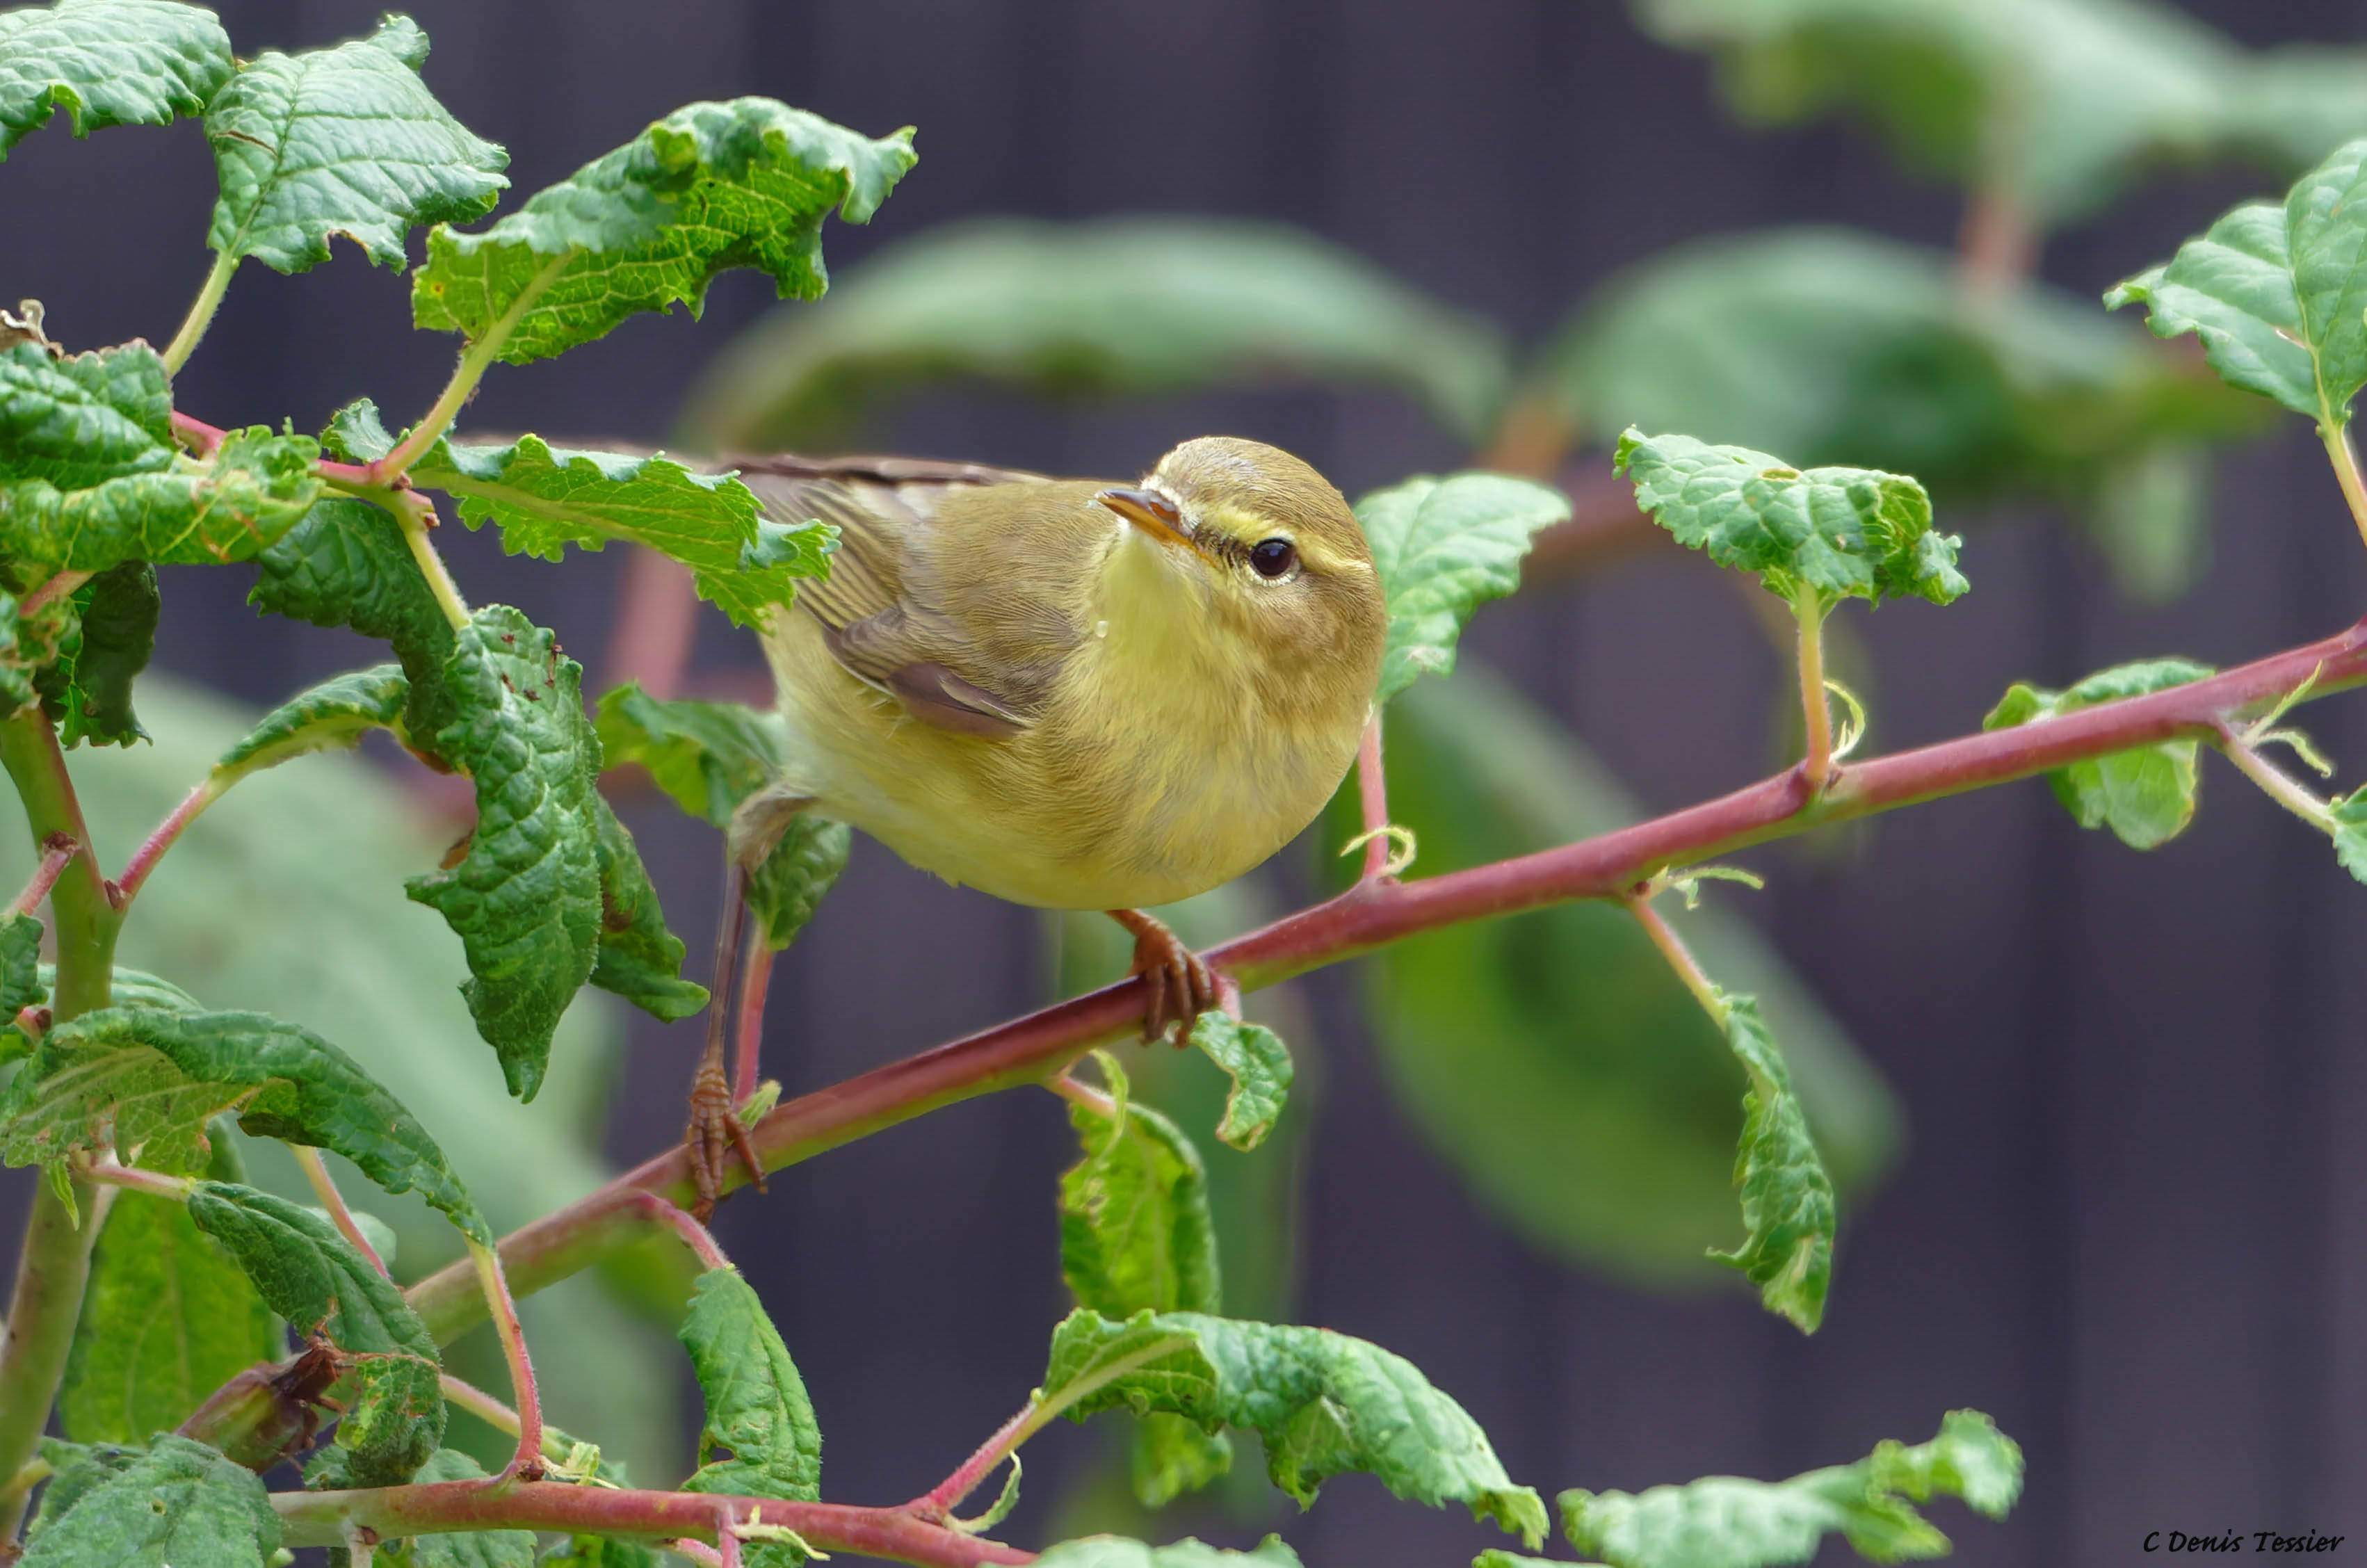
(882, 615)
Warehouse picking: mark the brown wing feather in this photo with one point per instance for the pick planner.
(877, 608)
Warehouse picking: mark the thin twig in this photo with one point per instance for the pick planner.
(1816, 761)
(941, 1500)
(487, 1263)
(475, 360)
(201, 312)
(2345, 458)
(1681, 958)
(168, 833)
(416, 513)
(2274, 782)
(1373, 798)
(695, 1236)
(57, 849)
(324, 1187)
(748, 1017)
(156, 1184)
(51, 589)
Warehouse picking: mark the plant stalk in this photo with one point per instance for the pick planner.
(1373, 798)
(1816, 762)
(57, 849)
(1036, 1048)
(416, 514)
(2345, 458)
(1680, 959)
(201, 314)
(475, 360)
(488, 1266)
(324, 1187)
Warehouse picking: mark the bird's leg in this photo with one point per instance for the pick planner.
(1181, 987)
(715, 1129)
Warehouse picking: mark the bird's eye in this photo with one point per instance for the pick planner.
(1273, 557)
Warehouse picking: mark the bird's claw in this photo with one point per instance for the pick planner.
(1182, 985)
(714, 1131)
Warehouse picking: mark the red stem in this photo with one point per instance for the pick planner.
(1033, 1049)
(316, 1518)
(143, 859)
(695, 1236)
(1373, 798)
(486, 1262)
(57, 850)
(748, 1022)
(206, 439)
(941, 1500)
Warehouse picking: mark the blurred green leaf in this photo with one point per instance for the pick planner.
(525, 900)
(544, 500)
(166, 1319)
(710, 186)
(1787, 1199)
(1842, 532)
(2145, 795)
(178, 1503)
(1445, 547)
(1551, 1057)
(1325, 1403)
(1832, 346)
(312, 1277)
(1114, 1551)
(1723, 1521)
(756, 1406)
(1114, 305)
(312, 860)
(2275, 292)
(340, 141)
(107, 63)
(2053, 103)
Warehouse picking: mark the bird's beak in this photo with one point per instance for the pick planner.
(1152, 513)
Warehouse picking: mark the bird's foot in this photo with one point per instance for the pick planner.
(714, 1131)
(1182, 986)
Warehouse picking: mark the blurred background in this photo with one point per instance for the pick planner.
(2097, 1114)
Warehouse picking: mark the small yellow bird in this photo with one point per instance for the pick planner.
(1073, 694)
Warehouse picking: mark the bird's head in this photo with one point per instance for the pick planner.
(1284, 569)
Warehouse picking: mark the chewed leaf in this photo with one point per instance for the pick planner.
(525, 899)
(640, 959)
(1324, 1402)
(107, 63)
(1134, 1230)
(166, 1319)
(2275, 291)
(1445, 547)
(711, 185)
(1724, 1521)
(343, 141)
(756, 1406)
(1260, 1066)
(313, 1277)
(544, 500)
(152, 1077)
(178, 1502)
(1844, 532)
(2146, 795)
(1787, 1199)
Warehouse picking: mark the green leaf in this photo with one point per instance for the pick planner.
(178, 1504)
(313, 1277)
(2348, 815)
(2145, 795)
(2275, 293)
(88, 690)
(709, 757)
(545, 500)
(1723, 1521)
(91, 477)
(20, 964)
(1443, 547)
(525, 899)
(469, 1549)
(1135, 1230)
(346, 565)
(1551, 1058)
(1260, 1066)
(343, 141)
(1787, 1199)
(76, 1468)
(153, 1077)
(107, 63)
(1117, 1551)
(334, 714)
(166, 1319)
(1833, 345)
(1110, 306)
(639, 959)
(1845, 532)
(756, 1406)
(2057, 102)
(711, 185)
(1324, 1402)
(1172, 1456)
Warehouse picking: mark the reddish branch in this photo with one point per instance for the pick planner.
(1042, 1044)
(319, 1518)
